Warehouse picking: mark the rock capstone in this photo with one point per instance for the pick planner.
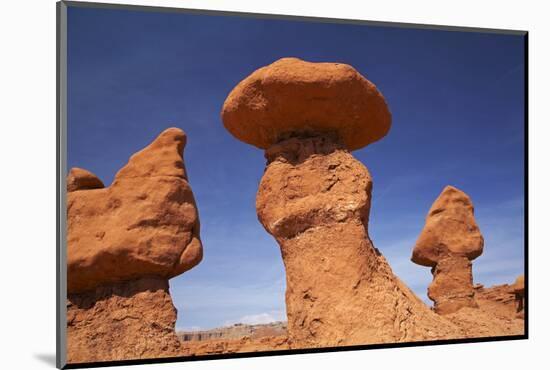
(294, 96)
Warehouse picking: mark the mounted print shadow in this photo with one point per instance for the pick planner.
(359, 185)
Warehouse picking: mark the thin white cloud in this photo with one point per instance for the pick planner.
(223, 296)
(189, 328)
(261, 318)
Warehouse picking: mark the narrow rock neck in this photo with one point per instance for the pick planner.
(452, 287)
(297, 149)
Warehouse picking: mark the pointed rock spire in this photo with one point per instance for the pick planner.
(163, 157)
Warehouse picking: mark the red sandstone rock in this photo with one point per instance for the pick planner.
(80, 179)
(494, 314)
(292, 95)
(449, 241)
(124, 243)
(314, 198)
(519, 285)
(519, 293)
(450, 229)
(144, 224)
(497, 300)
(128, 320)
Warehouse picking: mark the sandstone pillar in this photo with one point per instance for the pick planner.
(124, 243)
(448, 243)
(314, 198)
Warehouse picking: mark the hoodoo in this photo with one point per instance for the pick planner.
(448, 243)
(315, 197)
(124, 242)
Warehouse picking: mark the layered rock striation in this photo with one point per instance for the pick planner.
(236, 331)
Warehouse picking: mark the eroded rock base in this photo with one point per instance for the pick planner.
(130, 320)
(495, 316)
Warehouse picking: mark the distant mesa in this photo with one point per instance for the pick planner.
(236, 331)
(292, 96)
(448, 243)
(124, 242)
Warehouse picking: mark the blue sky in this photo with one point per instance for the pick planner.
(458, 118)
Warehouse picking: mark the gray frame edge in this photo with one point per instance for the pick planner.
(61, 170)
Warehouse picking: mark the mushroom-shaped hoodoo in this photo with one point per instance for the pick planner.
(314, 198)
(448, 243)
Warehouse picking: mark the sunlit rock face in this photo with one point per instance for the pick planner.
(314, 198)
(448, 243)
(124, 242)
